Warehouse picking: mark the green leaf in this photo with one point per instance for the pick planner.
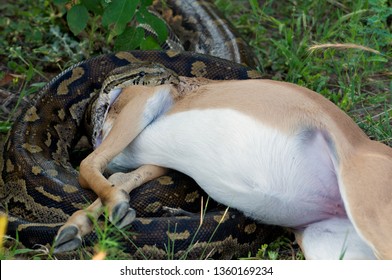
(60, 2)
(149, 43)
(157, 24)
(77, 18)
(146, 3)
(93, 6)
(117, 14)
(130, 39)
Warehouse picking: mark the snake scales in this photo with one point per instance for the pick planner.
(39, 187)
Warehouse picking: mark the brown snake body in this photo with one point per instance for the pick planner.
(39, 187)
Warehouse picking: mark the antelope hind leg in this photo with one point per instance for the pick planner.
(80, 223)
(333, 239)
(367, 190)
(365, 180)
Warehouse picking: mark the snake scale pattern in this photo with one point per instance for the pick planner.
(39, 187)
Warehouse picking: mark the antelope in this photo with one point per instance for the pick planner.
(280, 153)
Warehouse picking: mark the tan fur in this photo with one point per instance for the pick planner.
(91, 168)
(365, 166)
(257, 98)
(367, 186)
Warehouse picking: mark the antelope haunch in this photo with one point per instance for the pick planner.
(280, 153)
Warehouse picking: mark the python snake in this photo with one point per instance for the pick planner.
(39, 187)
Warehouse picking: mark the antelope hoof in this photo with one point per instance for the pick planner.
(67, 239)
(122, 215)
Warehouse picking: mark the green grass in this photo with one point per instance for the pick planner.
(111, 242)
(341, 49)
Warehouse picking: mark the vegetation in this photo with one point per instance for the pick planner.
(341, 49)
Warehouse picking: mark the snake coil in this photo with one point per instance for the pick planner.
(39, 187)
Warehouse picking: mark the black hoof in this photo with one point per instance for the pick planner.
(68, 239)
(122, 215)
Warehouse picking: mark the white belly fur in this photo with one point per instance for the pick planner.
(270, 176)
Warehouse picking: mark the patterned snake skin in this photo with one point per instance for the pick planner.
(39, 187)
